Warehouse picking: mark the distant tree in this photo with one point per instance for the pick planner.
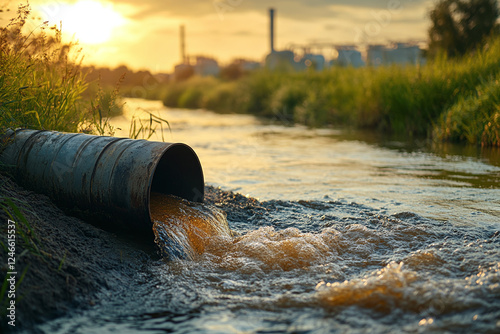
(231, 72)
(183, 73)
(461, 25)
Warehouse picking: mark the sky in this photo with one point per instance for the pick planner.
(144, 34)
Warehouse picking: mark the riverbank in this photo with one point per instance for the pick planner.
(64, 263)
(446, 99)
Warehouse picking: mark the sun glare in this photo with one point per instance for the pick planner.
(88, 22)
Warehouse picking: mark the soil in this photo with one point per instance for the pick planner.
(68, 261)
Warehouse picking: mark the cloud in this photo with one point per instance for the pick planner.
(305, 10)
(239, 28)
(330, 26)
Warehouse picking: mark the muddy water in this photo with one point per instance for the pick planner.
(356, 235)
(183, 229)
(307, 267)
(193, 231)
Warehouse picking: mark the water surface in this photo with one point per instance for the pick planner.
(357, 233)
(271, 161)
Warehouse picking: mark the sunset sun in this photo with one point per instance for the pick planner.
(87, 21)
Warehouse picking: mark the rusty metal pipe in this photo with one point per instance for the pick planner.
(108, 178)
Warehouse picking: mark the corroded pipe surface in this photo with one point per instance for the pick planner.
(109, 178)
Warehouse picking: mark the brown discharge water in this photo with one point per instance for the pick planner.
(184, 229)
(381, 291)
(306, 267)
(200, 234)
(266, 249)
(189, 230)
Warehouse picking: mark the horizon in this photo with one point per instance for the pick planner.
(145, 35)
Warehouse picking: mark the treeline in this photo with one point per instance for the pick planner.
(121, 77)
(144, 84)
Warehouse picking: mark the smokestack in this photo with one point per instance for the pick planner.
(183, 45)
(271, 31)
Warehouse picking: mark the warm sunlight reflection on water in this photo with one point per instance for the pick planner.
(269, 161)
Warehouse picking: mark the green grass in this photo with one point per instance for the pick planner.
(42, 82)
(43, 86)
(474, 118)
(399, 99)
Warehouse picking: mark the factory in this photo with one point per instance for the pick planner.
(202, 65)
(301, 57)
(311, 56)
(396, 54)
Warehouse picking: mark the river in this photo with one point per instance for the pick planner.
(367, 233)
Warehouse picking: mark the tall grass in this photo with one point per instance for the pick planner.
(399, 99)
(41, 81)
(474, 118)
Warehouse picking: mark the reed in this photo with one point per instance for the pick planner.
(42, 82)
(39, 85)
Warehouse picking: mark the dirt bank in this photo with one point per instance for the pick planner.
(68, 261)
(65, 260)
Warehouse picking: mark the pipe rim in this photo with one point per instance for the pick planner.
(198, 192)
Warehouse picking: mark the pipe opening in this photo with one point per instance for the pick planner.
(179, 173)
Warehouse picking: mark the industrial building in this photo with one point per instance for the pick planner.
(310, 56)
(347, 55)
(203, 66)
(397, 54)
(300, 57)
